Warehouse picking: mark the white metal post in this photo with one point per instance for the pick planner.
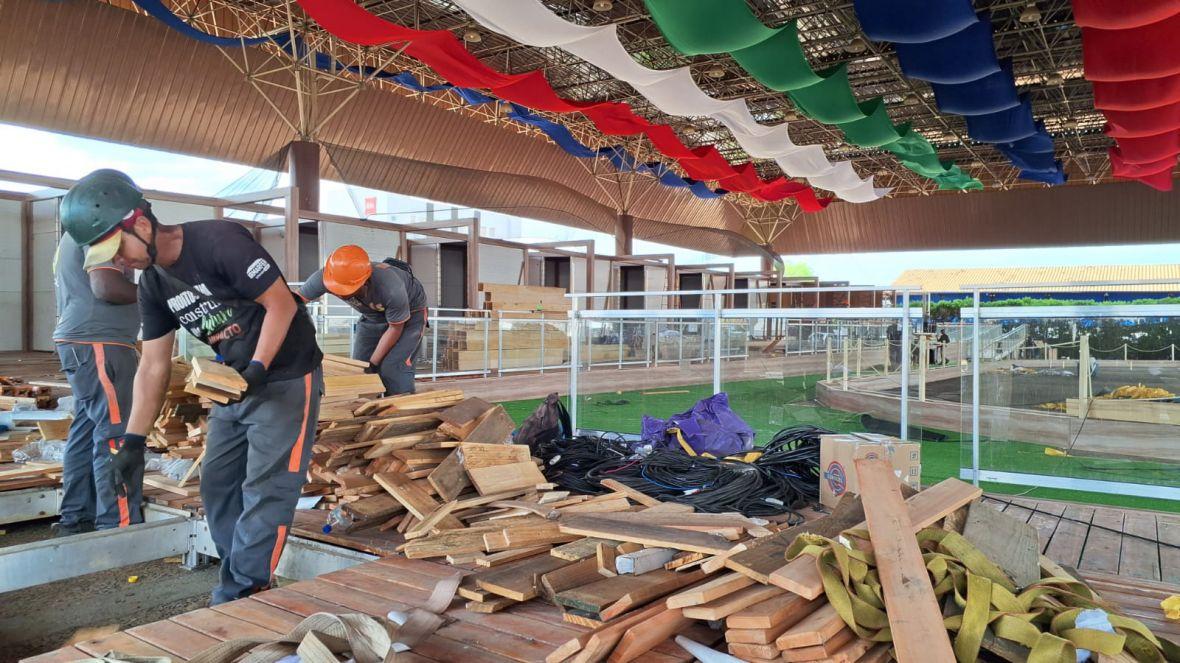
(975, 393)
(716, 345)
(828, 357)
(905, 365)
(575, 363)
(859, 350)
(620, 343)
(487, 337)
(844, 342)
(499, 343)
(542, 342)
(923, 365)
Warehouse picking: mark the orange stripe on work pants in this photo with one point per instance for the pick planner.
(297, 450)
(100, 359)
(277, 552)
(124, 510)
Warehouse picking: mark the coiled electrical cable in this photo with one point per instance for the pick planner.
(784, 476)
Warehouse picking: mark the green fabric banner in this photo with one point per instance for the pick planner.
(775, 58)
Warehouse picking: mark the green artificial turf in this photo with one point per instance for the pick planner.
(772, 404)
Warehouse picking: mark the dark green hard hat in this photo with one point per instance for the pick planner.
(98, 203)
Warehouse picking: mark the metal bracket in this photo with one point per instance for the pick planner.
(30, 504)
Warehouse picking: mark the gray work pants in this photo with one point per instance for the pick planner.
(101, 376)
(256, 455)
(397, 369)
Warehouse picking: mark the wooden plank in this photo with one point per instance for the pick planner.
(1070, 536)
(603, 640)
(207, 372)
(171, 485)
(645, 636)
(494, 428)
(649, 587)
(649, 535)
(725, 606)
(173, 638)
(476, 455)
(520, 580)
(506, 556)
(1009, 542)
(785, 608)
(631, 493)
(580, 549)
(1168, 528)
(826, 651)
(125, 643)
(222, 626)
(500, 478)
(915, 619)
(1103, 542)
(720, 586)
(765, 555)
(449, 479)
(525, 535)
(924, 509)
(821, 624)
(413, 497)
(1140, 554)
(262, 614)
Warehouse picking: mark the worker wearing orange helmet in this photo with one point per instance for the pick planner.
(392, 305)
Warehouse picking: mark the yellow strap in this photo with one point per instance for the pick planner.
(680, 438)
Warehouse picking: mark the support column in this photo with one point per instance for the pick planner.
(624, 234)
(303, 166)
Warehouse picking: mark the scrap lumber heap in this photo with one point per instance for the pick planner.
(917, 576)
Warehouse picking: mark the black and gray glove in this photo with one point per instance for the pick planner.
(373, 368)
(127, 461)
(254, 375)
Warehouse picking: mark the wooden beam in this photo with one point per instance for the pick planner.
(915, 619)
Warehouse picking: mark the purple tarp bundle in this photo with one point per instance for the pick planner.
(709, 427)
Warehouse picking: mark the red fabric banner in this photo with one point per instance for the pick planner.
(1130, 53)
(446, 54)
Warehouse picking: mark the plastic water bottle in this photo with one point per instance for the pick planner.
(338, 516)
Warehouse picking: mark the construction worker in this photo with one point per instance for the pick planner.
(97, 324)
(215, 281)
(392, 305)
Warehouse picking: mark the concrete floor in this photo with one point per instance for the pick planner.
(45, 617)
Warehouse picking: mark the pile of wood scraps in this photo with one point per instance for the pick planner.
(403, 448)
(517, 334)
(214, 381)
(345, 382)
(34, 474)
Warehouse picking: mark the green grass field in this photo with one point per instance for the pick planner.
(770, 405)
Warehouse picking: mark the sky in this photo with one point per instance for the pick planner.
(45, 153)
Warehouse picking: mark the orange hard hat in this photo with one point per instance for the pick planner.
(347, 270)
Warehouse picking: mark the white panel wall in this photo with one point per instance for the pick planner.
(380, 244)
(12, 322)
(536, 264)
(499, 264)
(424, 260)
(271, 239)
(44, 240)
(655, 278)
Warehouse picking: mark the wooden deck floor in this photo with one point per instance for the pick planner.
(523, 633)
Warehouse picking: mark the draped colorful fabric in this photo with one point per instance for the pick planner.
(945, 43)
(1130, 54)
(775, 58)
(673, 91)
(558, 133)
(446, 54)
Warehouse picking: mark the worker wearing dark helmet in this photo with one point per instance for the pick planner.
(392, 305)
(97, 324)
(221, 286)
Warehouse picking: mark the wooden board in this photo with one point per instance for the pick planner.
(412, 496)
(649, 535)
(915, 619)
(501, 478)
(476, 455)
(1008, 542)
(494, 428)
(208, 373)
(171, 485)
(449, 479)
(520, 580)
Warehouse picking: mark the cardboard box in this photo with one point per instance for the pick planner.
(838, 471)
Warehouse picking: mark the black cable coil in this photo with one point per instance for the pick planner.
(786, 475)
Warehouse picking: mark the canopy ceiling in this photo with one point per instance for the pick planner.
(58, 70)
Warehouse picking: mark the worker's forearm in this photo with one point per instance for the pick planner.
(275, 324)
(386, 343)
(151, 381)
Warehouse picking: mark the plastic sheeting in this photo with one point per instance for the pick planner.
(446, 54)
(775, 58)
(1130, 55)
(947, 44)
(673, 91)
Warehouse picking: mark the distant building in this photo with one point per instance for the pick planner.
(954, 283)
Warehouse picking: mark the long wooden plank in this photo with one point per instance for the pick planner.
(520, 580)
(125, 643)
(1070, 536)
(649, 535)
(915, 619)
(173, 638)
(725, 606)
(924, 509)
(643, 637)
(815, 628)
(787, 607)
(765, 555)
(414, 498)
(722, 585)
(1168, 528)
(262, 614)
(1103, 542)
(1140, 555)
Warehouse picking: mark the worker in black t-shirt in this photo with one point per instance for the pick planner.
(215, 281)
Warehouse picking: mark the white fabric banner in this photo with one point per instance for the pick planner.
(673, 91)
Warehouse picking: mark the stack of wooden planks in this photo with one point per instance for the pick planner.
(524, 300)
(345, 384)
(34, 474)
(517, 334)
(15, 391)
(213, 381)
(406, 445)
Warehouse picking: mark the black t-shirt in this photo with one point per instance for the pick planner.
(210, 291)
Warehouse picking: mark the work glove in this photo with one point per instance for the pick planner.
(254, 375)
(373, 368)
(127, 462)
